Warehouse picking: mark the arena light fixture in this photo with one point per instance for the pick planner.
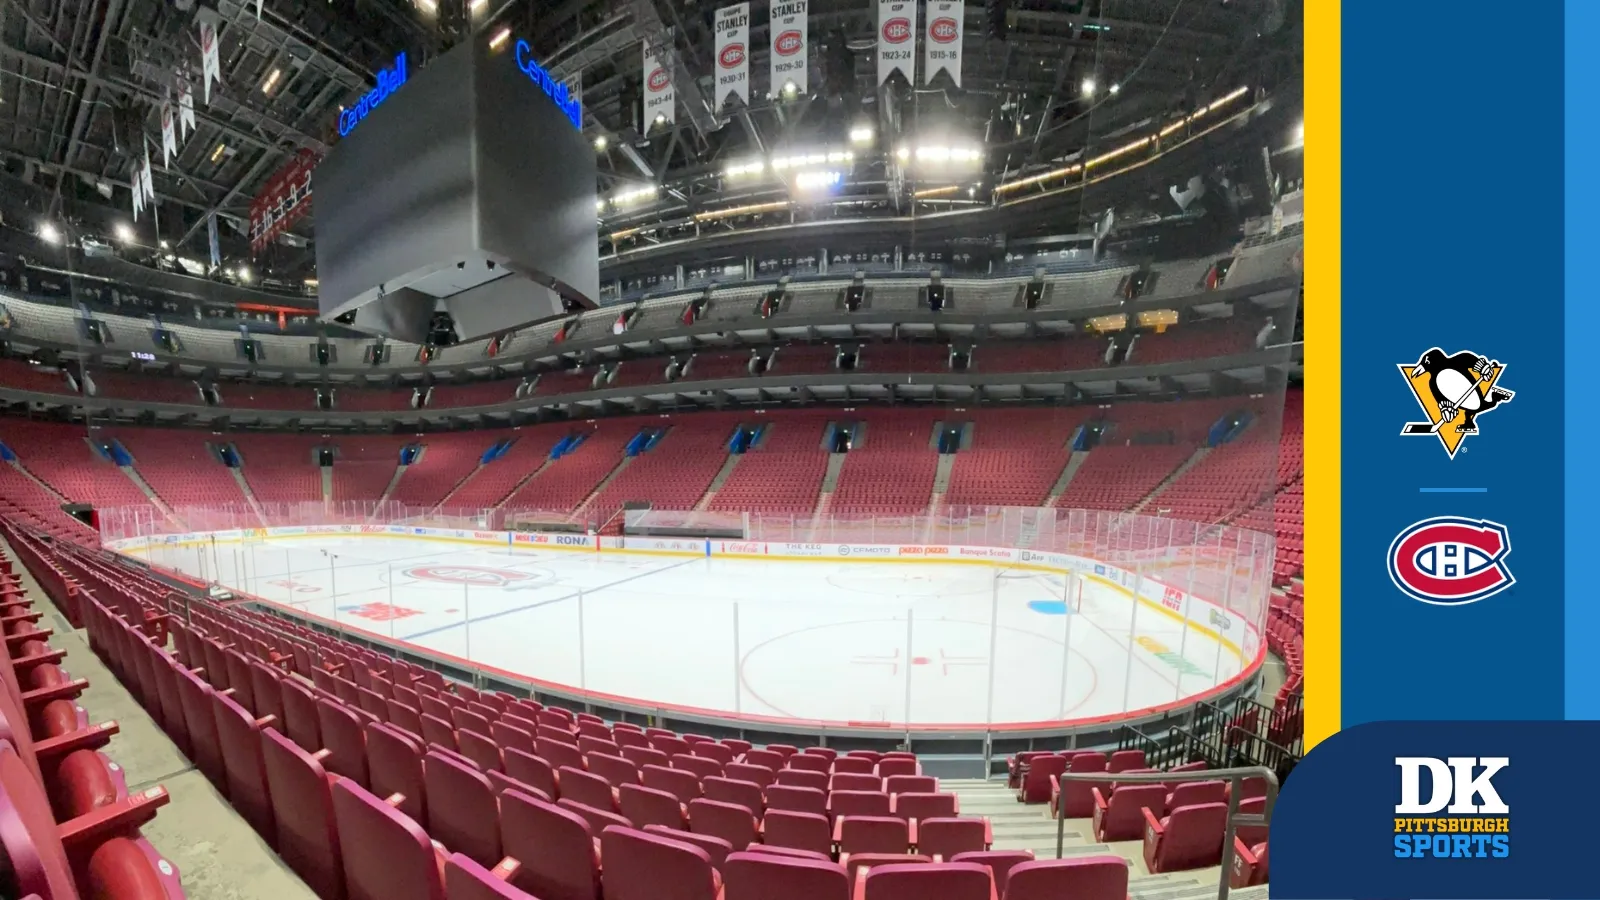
(272, 81)
(1088, 87)
(243, 274)
(1300, 133)
(625, 198)
(861, 134)
(1114, 88)
(661, 118)
(750, 209)
(600, 142)
(790, 89)
(217, 153)
(500, 37)
(930, 193)
(741, 169)
(124, 232)
(311, 282)
(816, 181)
(49, 233)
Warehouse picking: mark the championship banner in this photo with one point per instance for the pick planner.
(283, 202)
(941, 51)
(169, 135)
(897, 26)
(733, 53)
(788, 30)
(660, 99)
(210, 67)
(186, 111)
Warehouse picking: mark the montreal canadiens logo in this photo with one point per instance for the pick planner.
(731, 55)
(788, 43)
(658, 80)
(943, 31)
(896, 31)
(477, 576)
(1449, 560)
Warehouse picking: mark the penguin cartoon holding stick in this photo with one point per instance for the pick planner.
(1453, 391)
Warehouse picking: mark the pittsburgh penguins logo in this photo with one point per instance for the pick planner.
(1453, 392)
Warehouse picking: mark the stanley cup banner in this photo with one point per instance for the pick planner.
(897, 31)
(789, 50)
(210, 65)
(659, 97)
(733, 53)
(942, 49)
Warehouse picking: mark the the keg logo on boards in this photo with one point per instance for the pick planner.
(1476, 823)
(943, 30)
(1451, 560)
(788, 43)
(658, 79)
(897, 31)
(731, 56)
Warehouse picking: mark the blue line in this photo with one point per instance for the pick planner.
(1453, 490)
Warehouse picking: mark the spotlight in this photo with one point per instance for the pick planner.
(1088, 87)
(661, 118)
(789, 89)
(600, 142)
(1114, 88)
(124, 232)
(49, 233)
(244, 274)
(861, 134)
(164, 243)
(1300, 133)
(499, 38)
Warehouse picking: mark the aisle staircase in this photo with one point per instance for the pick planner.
(1186, 465)
(716, 483)
(1074, 463)
(249, 495)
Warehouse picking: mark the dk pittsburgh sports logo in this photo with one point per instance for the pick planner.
(1476, 823)
(1451, 560)
(1453, 391)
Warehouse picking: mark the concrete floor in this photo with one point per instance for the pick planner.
(218, 855)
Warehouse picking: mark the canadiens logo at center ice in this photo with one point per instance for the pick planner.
(1451, 560)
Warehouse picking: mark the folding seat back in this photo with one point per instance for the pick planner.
(508, 735)
(729, 821)
(438, 731)
(645, 756)
(911, 784)
(858, 803)
(530, 770)
(797, 799)
(1123, 760)
(1199, 766)
(683, 785)
(1119, 785)
(624, 738)
(758, 876)
(556, 717)
(466, 691)
(799, 830)
(177, 727)
(462, 811)
(394, 765)
(898, 754)
(827, 753)
(590, 729)
(433, 706)
(713, 750)
(386, 855)
(346, 690)
(240, 738)
(645, 866)
(873, 834)
(1251, 834)
(344, 739)
(944, 837)
(465, 718)
(929, 881)
(588, 745)
(788, 852)
(1121, 816)
(671, 745)
(715, 847)
(1016, 764)
(481, 750)
(1036, 781)
(699, 765)
(646, 806)
(558, 754)
(598, 819)
(1102, 877)
(769, 758)
(202, 725)
(850, 782)
(484, 709)
(802, 778)
(925, 806)
(466, 880)
(808, 762)
(998, 862)
(1189, 837)
(554, 845)
(872, 756)
(1253, 787)
(586, 788)
(897, 766)
(1250, 865)
(501, 782)
(852, 765)
(300, 716)
(728, 790)
(302, 807)
(265, 689)
(1193, 793)
(404, 717)
(216, 664)
(373, 703)
(614, 769)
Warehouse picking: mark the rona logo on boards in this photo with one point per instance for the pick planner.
(943, 30)
(788, 43)
(571, 540)
(731, 56)
(897, 31)
(658, 80)
(1475, 824)
(1451, 560)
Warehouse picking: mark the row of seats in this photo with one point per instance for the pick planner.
(69, 826)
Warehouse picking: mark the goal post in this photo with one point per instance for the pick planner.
(1066, 588)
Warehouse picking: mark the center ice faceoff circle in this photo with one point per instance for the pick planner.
(843, 640)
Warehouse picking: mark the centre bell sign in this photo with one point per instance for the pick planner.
(556, 90)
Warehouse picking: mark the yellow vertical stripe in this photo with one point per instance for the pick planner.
(1322, 513)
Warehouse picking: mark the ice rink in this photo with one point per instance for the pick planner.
(828, 640)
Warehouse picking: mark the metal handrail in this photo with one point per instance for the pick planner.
(1234, 777)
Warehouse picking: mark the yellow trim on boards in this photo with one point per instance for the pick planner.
(1322, 363)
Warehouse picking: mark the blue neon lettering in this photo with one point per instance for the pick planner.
(557, 91)
(389, 81)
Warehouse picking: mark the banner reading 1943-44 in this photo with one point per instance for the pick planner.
(659, 97)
